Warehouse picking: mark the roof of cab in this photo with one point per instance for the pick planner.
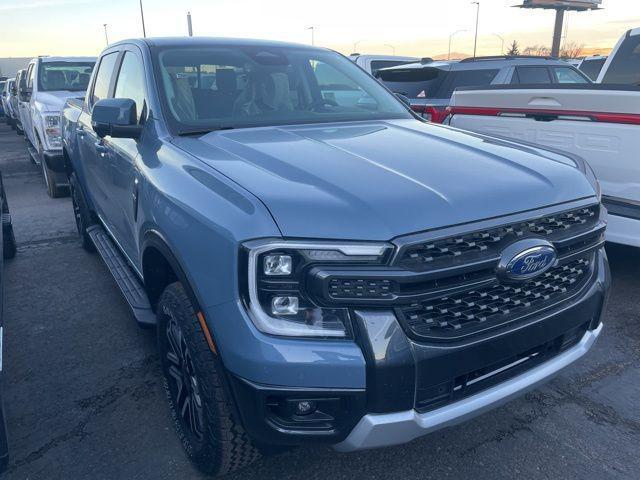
(67, 59)
(210, 41)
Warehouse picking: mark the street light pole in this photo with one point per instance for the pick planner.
(106, 37)
(502, 40)
(144, 30)
(313, 38)
(393, 49)
(475, 40)
(450, 38)
(355, 46)
(189, 24)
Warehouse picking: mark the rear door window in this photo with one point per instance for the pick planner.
(466, 78)
(531, 75)
(625, 65)
(413, 82)
(567, 75)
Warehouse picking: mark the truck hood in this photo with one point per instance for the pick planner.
(380, 180)
(54, 101)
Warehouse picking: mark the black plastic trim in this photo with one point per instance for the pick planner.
(622, 207)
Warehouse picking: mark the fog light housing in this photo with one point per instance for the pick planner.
(284, 305)
(305, 407)
(278, 265)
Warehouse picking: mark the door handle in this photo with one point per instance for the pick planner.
(101, 148)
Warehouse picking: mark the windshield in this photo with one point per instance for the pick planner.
(72, 76)
(413, 82)
(210, 88)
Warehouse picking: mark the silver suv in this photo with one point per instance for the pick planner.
(429, 85)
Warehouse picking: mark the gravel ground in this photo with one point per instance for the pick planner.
(84, 398)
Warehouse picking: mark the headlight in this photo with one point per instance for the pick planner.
(52, 130)
(275, 292)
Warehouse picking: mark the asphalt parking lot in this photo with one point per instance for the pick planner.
(84, 398)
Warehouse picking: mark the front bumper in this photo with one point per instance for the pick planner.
(379, 430)
(54, 160)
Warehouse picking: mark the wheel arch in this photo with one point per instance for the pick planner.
(161, 267)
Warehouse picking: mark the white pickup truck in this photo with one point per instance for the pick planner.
(47, 84)
(600, 123)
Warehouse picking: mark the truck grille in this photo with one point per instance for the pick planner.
(493, 305)
(443, 285)
(458, 248)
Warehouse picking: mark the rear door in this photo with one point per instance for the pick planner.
(93, 152)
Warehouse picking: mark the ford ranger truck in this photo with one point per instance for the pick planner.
(322, 273)
(49, 81)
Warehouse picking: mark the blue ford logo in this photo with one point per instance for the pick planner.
(526, 259)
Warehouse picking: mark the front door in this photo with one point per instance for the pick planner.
(123, 175)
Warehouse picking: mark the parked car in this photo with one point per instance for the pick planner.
(429, 86)
(3, 111)
(49, 82)
(8, 245)
(321, 273)
(623, 64)
(19, 109)
(373, 63)
(592, 65)
(5, 97)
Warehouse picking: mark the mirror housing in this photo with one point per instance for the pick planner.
(404, 99)
(116, 117)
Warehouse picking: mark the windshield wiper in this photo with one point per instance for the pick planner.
(188, 133)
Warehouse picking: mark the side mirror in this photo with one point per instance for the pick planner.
(116, 117)
(404, 99)
(25, 94)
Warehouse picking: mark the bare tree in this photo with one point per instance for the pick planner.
(537, 50)
(514, 49)
(572, 50)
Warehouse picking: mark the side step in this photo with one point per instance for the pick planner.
(126, 279)
(34, 154)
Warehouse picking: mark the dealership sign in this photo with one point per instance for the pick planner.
(568, 4)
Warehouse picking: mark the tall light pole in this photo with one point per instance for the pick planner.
(355, 45)
(475, 40)
(313, 38)
(189, 24)
(144, 30)
(450, 38)
(106, 37)
(502, 40)
(393, 49)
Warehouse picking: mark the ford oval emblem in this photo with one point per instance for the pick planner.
(526, 259)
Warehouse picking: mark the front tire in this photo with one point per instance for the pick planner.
(53, 190)
(200, 404)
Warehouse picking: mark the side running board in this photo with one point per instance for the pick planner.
(34, 154)
(127, 280)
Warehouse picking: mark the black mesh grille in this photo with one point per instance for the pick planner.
(480, 243)
(467, 312)
(359, 288)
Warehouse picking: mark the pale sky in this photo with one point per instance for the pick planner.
(412, 27)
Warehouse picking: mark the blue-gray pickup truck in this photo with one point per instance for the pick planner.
(325, 272)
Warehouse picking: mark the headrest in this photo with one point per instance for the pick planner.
(226, 80)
